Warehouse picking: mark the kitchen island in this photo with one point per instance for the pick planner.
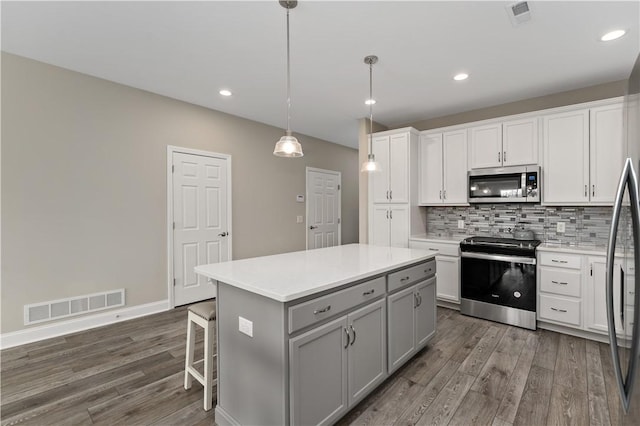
(302, 337)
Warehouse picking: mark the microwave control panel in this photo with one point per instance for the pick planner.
(531, 184)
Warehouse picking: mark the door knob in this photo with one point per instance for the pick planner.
(224, 234)
(312, 227)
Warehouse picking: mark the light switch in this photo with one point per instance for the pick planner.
(245, 326)
(460, 224)
(560, 227)
(298, 219)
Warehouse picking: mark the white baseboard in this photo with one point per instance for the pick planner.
(34, 334)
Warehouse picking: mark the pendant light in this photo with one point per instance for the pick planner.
(371, 165)
(288, 145)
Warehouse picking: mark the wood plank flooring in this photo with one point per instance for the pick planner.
(474, 372)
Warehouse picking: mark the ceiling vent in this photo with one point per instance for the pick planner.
(519, 13)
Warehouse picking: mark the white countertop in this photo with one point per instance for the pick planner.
(574, 249)
(289, 276)
(454, 239)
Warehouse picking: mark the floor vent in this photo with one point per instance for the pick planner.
(63, 308)
(519, 12)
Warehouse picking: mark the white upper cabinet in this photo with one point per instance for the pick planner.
(443, 168)
(510, 143)
(605, 147)
(391, 184)
(583, 153)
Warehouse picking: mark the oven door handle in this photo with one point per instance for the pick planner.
(500, 258)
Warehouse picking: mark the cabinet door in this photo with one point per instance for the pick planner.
(399, 168)
(520, 142)
(455, 167)
(486, 146)
(448, 278)
(379, 225)
(596, 296)
(367, 349)
(605, 146)
(318, 374)
(399, 226)
(379, 181)
(431, 169)
(566, 157)
(401, 332)
(425, 312)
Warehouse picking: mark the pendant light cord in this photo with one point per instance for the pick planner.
(370, 107)
(288, 79)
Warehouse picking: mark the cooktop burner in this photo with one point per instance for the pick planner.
(494, 245)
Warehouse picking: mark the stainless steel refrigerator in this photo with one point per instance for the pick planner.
(623, 304)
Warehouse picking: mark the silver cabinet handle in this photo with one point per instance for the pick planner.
(586, 190)
(367, 293)
(559, 282)
(353, 330)
(419, 299)
(387, 214)
(415, 300)
(504, 156)
(390, 214)
(630, 179)
(323, 310)
(432, 249)
(313, 227)
(444, 194)
(404, 279)
(558, 310)
(348, 337)
(223, 234)
(498, 156)
(391, 194)
(559, 261)
(593, 190)
(387, 194)
(440, 194)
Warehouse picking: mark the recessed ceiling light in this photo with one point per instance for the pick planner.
(612, 35)
(370, 102)
(225, 92)
(461, 76)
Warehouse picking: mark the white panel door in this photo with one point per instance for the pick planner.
(520, 142)
(486, 146)
(323, 209)
(379, 228)
(566, 157)
(605, 146)
(596, 295)
(430, 169)
(399, 225)
(201, 233)
(455, 167)
(379, 181)
(398, 168)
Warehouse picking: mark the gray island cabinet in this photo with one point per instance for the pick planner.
(302, 337)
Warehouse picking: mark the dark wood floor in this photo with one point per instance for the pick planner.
(474, 372)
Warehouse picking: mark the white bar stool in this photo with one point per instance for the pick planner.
(204, 315)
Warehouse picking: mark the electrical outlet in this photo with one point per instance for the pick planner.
(298, 219)
(460, 224)
(245, 326)
(560, 227)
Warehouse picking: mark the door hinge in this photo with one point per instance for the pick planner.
(174, 225)
(174, 282)
(591, 270)
(173, 169)
(338, 220)
(338, 187)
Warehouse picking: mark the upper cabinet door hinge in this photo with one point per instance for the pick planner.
(173, 169)
(174, 225)
(338, 220)
(174, 282)
(338, 187)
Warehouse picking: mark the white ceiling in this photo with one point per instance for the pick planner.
(190, 50)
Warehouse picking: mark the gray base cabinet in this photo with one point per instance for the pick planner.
(334, 366)
(412, 321)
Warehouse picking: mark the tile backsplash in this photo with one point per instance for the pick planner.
(587, 226)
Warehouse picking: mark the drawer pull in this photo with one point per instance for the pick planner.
(558, 310)
(320, 311)
(426, 271)
(346, 331)
(405, 279)
(366, 293)
(353, 330)
(495, 296)
(559, 261)
(559, 282)
(432, 249)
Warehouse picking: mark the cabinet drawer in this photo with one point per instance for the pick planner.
(316, 310)
(563, 260)
(559, 309)
(560, 281)
(410, 275)
(447, 249)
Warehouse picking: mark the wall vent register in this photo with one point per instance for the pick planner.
(62, 308)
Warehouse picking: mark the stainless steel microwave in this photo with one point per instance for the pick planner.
(505, 185)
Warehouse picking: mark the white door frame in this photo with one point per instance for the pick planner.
(306, 208)
(170, 150)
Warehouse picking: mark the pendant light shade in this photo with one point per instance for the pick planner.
(288, 145)
(371, 165)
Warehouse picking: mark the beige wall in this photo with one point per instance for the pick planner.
(592, 93)
(84, 185)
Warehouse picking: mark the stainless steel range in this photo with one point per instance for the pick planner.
(499, 280)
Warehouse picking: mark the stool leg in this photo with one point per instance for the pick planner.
(191, 345)
(208, 366)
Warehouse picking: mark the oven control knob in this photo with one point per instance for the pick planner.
(517, 294)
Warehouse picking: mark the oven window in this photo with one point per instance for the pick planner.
(500, 283)
(503, 186)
